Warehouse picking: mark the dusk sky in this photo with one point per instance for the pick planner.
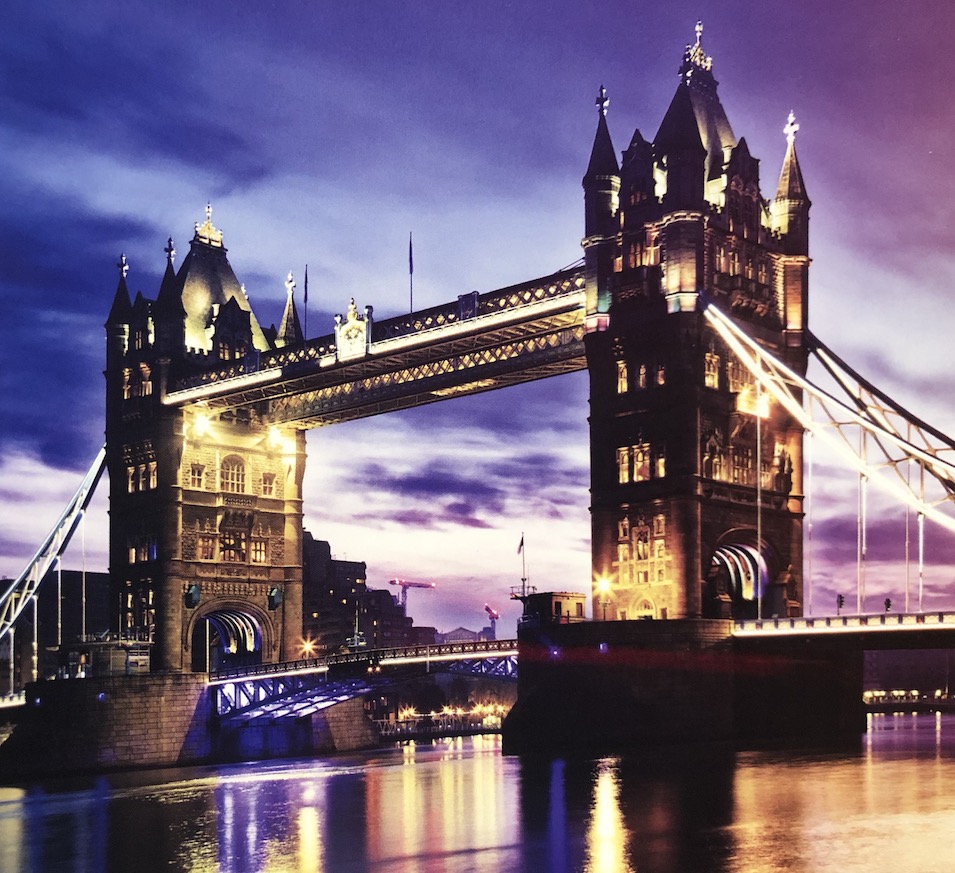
(324, 133)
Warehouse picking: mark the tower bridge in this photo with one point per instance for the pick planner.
(690, 313)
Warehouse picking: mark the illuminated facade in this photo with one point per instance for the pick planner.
(696, 482)
(205, 506)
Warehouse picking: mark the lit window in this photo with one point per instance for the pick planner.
(268, 484)
(146, 386)
(197, 475)
(660, 463)
(232, 476)
(142, 477)
(153, 479)
(641, 462)
(659, 525)
(207, 548)
(234, 547)
(659, 548)
(126, 388)
(623, 528)
(623, 465)
(642, 376)
(711, 370)
(643, 577)
(661, 374)
(622, 385)
(259, 551)
(225, 350)
(130, 479)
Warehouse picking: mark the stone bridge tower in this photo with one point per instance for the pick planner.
(205, 509)
(696, 478)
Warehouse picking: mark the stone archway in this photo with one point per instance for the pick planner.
(740, 576)
(228, 635)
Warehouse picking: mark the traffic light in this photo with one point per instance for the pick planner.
(840, 602)
(888, 603)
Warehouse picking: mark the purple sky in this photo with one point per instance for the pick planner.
(324, 133)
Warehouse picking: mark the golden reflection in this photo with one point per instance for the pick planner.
(309, 840)
(607, 834)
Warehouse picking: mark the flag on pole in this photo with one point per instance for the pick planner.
(520, 547)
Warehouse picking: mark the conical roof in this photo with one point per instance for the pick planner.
(290, 330)
(206, 279)
(603, 159)
(713, 127)
(791, 185)
(122, 308)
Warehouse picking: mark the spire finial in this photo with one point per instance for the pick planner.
(208, 233)
(602, 101)
(170, 251)
(791, 128)
(289, 284)
(123, 266)
(694, 56)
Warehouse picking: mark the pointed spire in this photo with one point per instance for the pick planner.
(790, 208)
(791, 185)
(290, 330)
(603, 158)
(122, 308)
(169, 299)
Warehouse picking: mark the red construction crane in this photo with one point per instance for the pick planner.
(405, 585)
(493, 615)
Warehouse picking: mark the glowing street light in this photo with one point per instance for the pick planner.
(603, 587)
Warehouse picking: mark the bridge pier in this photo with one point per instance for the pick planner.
(160, 720)
(625, 685)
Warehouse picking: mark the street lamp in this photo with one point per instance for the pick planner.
(603, 587)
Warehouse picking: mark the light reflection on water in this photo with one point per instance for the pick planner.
(459, 805)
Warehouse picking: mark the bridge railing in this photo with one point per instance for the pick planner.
(437, 652)
(842, 623)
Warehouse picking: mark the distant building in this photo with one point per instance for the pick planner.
(335, 593)
(60, 631)
(555, 606)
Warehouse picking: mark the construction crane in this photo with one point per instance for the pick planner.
(404, 584)
(493, 615)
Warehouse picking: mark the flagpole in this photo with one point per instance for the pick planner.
(410, 274)
(520, 548)
(305, 329)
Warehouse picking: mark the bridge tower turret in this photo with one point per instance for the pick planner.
(601, 185)
(696, 487)
(205, 508)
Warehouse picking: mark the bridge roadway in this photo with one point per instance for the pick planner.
(880, 631)
(299, 688)
(480, 342)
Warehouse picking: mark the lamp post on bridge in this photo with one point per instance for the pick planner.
(603, 586)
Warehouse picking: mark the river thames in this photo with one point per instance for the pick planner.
(460, 805)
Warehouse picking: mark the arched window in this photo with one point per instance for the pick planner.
(232, 475)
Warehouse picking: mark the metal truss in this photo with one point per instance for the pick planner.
(876, 436)
(14, 599)
(298, 688)
(480, 342)
(498, 668)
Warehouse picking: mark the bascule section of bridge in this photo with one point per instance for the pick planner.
(206, 420)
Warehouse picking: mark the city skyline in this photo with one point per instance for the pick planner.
(326, 137)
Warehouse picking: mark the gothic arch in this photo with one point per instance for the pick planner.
(225, 632)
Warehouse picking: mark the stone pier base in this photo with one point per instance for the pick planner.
(159, 720)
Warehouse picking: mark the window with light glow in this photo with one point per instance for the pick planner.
(197, 476)
(234, 547)
(268, 484)
(232, 475)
